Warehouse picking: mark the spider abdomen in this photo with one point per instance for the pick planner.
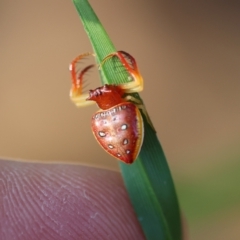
(119, 130)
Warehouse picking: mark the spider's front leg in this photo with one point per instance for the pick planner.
(76, 93)
(136, 85)
(130, 65)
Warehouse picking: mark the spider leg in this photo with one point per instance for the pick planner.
(76, 93)
(141, 106)
(137, 84)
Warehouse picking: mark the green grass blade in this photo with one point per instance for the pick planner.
(148, 180)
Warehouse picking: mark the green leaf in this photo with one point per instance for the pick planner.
(148, 179)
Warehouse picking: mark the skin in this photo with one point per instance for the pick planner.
(60, 201)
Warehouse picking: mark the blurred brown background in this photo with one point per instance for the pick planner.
(189, 56)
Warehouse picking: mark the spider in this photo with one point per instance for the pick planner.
(118, 124)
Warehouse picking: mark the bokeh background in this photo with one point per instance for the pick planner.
(189, 55)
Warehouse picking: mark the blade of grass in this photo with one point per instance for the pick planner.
(148, 180)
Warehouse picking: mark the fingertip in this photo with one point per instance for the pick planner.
(50, 201)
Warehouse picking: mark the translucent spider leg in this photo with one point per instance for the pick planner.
(134, 86)
(137, 84)
(76, 93)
